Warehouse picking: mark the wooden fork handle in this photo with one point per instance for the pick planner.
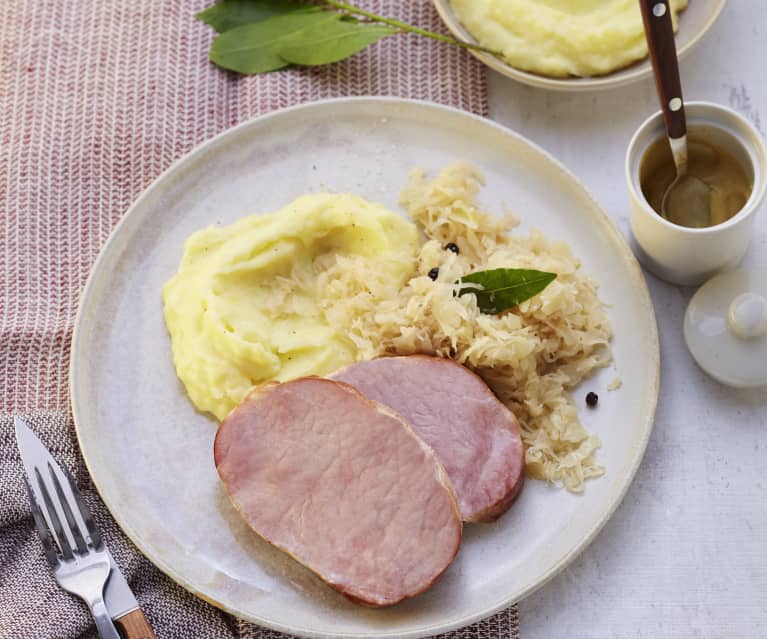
(660, 41)
(135, 626)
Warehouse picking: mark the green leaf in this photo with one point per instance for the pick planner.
(261, 52)
(254, 48)
(500, 289)
(332, 41)
(228, 14)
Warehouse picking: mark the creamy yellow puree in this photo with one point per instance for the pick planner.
(244, 306)
(560, 37)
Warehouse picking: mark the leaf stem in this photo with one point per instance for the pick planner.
(407, 27)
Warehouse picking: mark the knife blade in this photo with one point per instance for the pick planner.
(118, 597)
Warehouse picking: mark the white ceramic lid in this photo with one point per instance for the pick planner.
(725, 328)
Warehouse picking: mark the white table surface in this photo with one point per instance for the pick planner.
(686, 553)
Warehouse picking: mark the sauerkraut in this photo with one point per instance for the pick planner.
(531, 356)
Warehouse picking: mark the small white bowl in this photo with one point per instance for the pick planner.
(694, 22)
(690, 256)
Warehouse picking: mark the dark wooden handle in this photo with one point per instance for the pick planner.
(660, 41)
(135, 626)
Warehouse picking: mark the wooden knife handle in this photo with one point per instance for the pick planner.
(660, 41)
(135, 626)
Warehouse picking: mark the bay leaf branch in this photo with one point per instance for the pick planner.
(258, 36)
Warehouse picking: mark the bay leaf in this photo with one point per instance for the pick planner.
(328, 42)
(254, 48)
(228, 14)
(500, 289)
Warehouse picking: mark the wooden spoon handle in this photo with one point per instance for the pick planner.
(134, 625)
(660, 41)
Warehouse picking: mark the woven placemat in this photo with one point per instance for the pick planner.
(96, 100)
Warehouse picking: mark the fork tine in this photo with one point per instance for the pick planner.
(90, 523)
(74, 527)
(42, 528)
(58, 531)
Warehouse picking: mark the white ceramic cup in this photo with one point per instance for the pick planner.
(690, 256)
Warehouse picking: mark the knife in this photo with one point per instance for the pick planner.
(120, 601)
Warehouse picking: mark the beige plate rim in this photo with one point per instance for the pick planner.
(621, 77)
(652, 350)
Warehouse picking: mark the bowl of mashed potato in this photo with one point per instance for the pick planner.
(570, 44)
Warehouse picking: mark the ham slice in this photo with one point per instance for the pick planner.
(473, 434)
(343, 485)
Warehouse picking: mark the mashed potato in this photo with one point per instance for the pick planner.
(560, 37)
(245, 307)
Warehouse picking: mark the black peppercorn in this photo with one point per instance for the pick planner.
(452, 246)
(592, 399)
(434, 273)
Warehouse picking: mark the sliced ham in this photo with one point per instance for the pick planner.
(343, 485)
(474, 435)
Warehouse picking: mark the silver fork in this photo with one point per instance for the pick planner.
(82, 570)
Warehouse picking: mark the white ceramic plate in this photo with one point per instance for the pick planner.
(694, 23)
(150, 453)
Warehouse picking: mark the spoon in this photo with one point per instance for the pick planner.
(686, 200)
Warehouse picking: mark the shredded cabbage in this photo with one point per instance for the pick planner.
(530, 356)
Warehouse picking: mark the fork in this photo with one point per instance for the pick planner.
(82, 570)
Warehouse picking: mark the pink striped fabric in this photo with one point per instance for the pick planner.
(96, 100)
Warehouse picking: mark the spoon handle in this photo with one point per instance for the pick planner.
(660, 41)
